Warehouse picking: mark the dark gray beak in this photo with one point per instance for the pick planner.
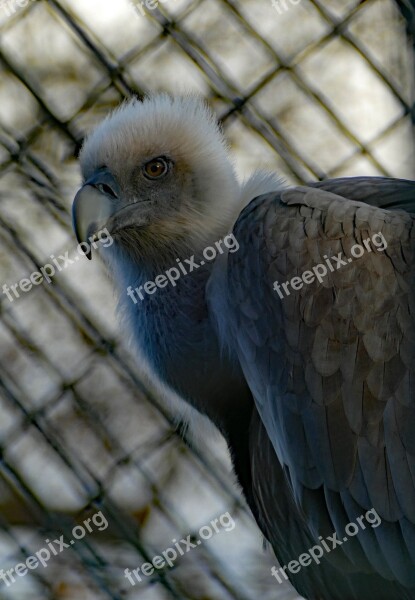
(94, 204)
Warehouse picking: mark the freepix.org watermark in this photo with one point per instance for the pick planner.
(60, 263)
(333, 263)
(53, 548)
(10, 7)
(188, 265)
(140, 6)
(316, 552)
(181, 547)
(281, 6)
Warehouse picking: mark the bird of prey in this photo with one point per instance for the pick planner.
(296, 340)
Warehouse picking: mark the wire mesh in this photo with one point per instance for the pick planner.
(307, 88)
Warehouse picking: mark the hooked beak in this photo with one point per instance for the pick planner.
(94, 204)
(99, 205)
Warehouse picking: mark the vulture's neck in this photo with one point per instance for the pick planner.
(173, 330)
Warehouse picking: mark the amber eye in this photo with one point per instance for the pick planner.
(155, 168)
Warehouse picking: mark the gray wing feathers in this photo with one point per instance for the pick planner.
(381, 192)
(331, 365)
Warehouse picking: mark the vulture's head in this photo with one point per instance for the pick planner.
(158, 176)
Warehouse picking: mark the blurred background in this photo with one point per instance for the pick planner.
(306, 88)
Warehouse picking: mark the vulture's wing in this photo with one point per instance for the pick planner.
(331, 363)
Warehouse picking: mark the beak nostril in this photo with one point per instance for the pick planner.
(106, 189)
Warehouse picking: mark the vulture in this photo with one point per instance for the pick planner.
(286, 315)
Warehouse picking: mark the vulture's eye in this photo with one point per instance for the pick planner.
(156, 168)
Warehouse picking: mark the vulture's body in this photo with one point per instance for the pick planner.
(313, 389)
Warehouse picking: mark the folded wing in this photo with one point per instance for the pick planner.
(320, 310)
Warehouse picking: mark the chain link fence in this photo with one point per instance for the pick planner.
(307, 88)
